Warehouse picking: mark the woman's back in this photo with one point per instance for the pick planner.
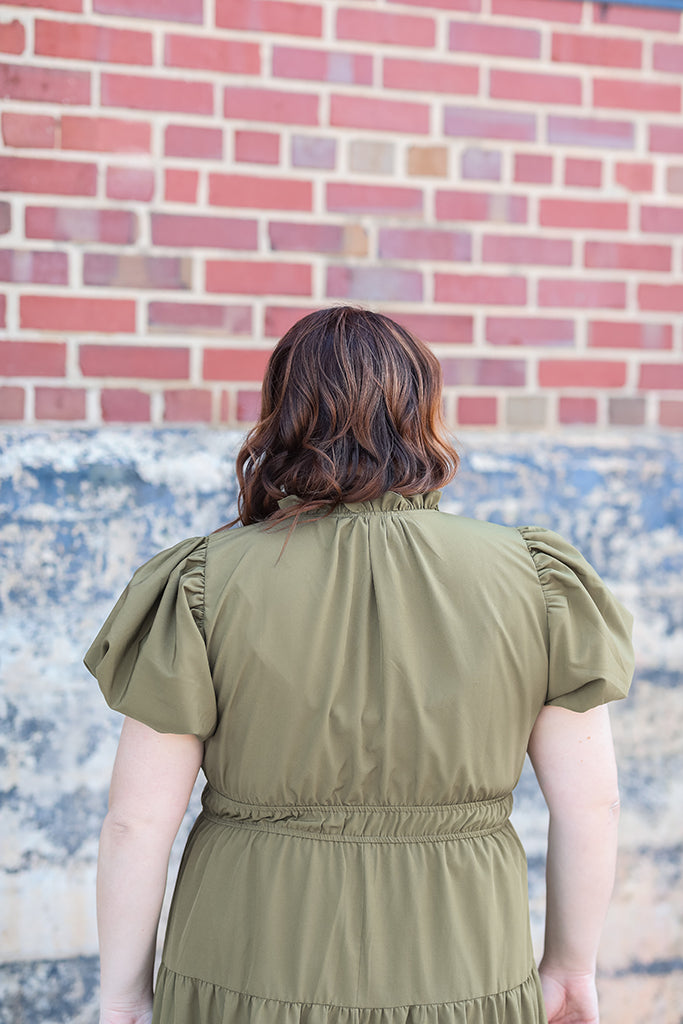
(374, 685)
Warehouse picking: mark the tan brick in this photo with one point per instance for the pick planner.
(430, 161)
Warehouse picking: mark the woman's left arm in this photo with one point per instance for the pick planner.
(151, 785)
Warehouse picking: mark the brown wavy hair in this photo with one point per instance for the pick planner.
(350, 409)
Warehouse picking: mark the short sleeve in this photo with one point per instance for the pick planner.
(150, 656)
(590, 656)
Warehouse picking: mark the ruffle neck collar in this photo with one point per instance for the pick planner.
(390, 501)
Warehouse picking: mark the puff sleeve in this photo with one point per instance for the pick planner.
(590, 656)
(150, 657)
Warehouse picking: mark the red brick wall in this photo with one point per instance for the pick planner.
(182, 178)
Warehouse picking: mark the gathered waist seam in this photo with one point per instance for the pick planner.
(328, 837)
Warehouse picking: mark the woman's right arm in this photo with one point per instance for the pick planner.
(573, 757)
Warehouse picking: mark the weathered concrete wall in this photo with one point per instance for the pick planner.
(81, 510)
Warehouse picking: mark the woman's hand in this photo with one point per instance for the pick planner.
(569, 998)
(139, 1015)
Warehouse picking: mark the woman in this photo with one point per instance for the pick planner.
(360, 676)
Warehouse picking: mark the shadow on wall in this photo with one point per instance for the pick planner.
(79, 511)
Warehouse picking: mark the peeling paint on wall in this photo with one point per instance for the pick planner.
(81, 510)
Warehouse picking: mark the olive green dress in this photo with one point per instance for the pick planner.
(365, 697)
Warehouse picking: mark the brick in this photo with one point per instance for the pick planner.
(477, 411)
(251, 104)
(260, 193)
(583, 173)
(581, 294)
(234, 364)
(428, 161)
(486, 123)
(590, 131)
(674, 180)
(111, 270)
(322, 65)
(143, 361)
(539, 10)
(623, 94)
(181, 186)
(438, 328)
(188, 231)
(194, 142)
(481, 164)
(632, 17)
(583, 213)
(277, 16)
(626, 412)
(496, 40)
(378, 199)
(386, 28)
(528, 411)
(258, 277)
(159, 10)
(278, 319)
(627, 334)
(527, 249)
(82, 41)
(369, 157)
(32, 359)
(480, 206)
(124, 405)
(529, 330)
(665, 297)
(5, 218)
(55, 177)
(578, 410)
(199, 317)
(533, 87)
(662, 219)
(69, 224)
(60, 403)
(636, 177)
(248, 406)
(47, 85)
(374, 284)
(230, 56)
(430, 76)
(257, 147)
(68, 313)
(12, 38)
(424, 244)
(480, 289)
(11, 403)
(670, 414)
(473, 6)
(314, 152)
(21, 267)
(3, 310)
(661, 376)
(55, 5)
(668, 57)
(140, 92)
(597, 50)
(665, 138)
(534, 168)
(28, 130)
(187, 405)
(470, 371)
(379, 114)
(340, 239)
(130, 183)
(105, 134)
(571, 373)
(627, 256)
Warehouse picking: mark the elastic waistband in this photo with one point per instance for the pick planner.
(406, 823)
